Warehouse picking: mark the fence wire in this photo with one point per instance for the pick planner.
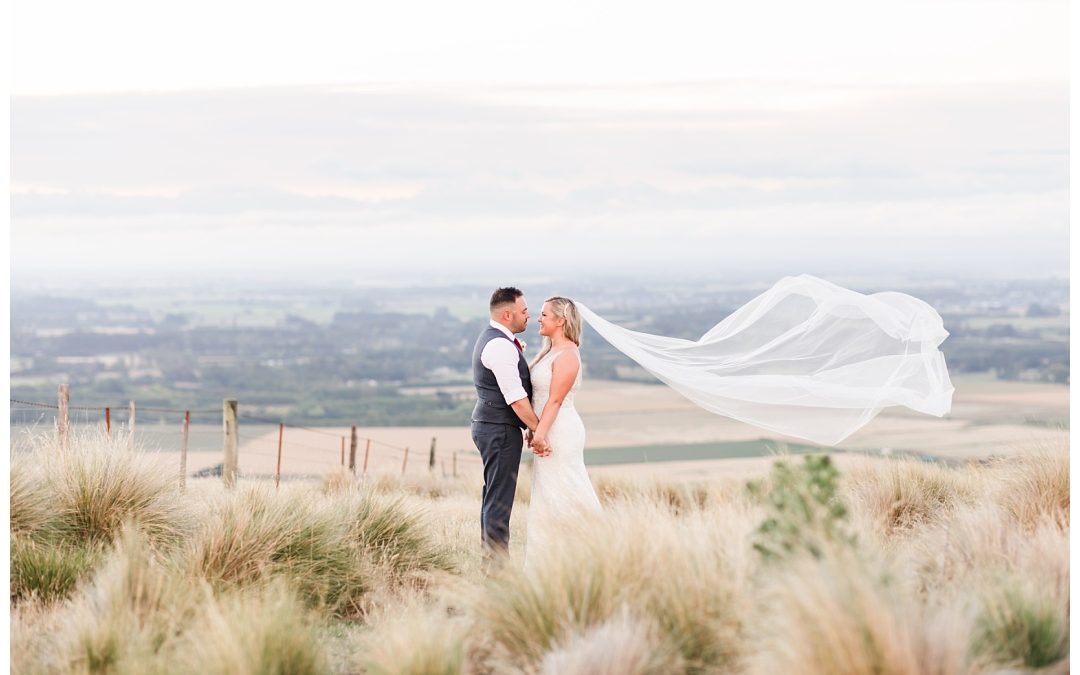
(80, 416)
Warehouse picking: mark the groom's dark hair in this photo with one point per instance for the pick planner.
(504, 296)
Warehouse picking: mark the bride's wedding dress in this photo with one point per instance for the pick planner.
(560, 485)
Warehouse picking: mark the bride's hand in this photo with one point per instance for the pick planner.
(540, 445)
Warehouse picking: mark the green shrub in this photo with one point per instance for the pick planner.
(804, 513)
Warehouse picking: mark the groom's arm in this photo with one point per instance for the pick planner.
(524, 410)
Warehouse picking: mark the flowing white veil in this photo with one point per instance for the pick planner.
(806, 358)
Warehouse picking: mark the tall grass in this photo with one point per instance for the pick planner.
(391, 534)
(264, 630)
(430, 485)
(625, 644)
(50, 571)
(897, 497)
(678, 497)
(90, 490)
(68, 506)
(334, 552)
(945, 570)
(259, 534)
(681, 575)
(30, 497)
(1035, 486)
(848, 614)
(130, 612)
(139, 616)
(415, 639)
(1021, 624)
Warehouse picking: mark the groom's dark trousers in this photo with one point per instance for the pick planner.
(496, 430)
(500, 447)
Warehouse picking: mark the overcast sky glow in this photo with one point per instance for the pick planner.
(124, 45)
(438, 138)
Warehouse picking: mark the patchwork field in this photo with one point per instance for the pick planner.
(635, 425)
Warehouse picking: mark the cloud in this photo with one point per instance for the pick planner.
(676, 169)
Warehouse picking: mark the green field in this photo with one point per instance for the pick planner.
(208, 438)
(1021, 323)
(153, 437)
(694, 451)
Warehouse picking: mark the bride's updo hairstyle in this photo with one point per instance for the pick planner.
(564, 308)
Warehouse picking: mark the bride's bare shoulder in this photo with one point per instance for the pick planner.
(573, 350)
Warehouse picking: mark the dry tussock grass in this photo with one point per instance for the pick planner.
(947, 571)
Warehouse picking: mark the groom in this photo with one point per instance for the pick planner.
(503, 409)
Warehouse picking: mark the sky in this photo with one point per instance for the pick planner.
(448, 141)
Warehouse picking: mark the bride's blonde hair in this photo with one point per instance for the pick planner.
(564, 308)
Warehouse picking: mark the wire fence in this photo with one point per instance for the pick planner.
(347, 451)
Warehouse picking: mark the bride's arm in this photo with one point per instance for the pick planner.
(563, 374)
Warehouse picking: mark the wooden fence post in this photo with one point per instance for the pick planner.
(352, 452)
(431, 458)
(232, 441)
(63, 395)
(404, 461)
(108, 421)
(455, 464)
(367, 451)
(342, 452)
(131, 425)
(280, 442)
(183, 449)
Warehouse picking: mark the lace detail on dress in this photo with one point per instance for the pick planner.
(541, 382)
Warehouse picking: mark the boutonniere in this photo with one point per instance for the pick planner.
(523, 345)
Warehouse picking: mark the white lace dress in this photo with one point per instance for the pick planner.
(560, 485)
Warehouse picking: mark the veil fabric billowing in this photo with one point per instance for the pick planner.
(806, 358)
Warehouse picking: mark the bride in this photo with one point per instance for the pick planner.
(560, 484)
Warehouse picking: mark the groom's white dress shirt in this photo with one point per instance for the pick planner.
(501, 358)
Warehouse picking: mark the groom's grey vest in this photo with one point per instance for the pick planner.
(491, 406)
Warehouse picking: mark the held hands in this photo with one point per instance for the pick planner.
(538, 443)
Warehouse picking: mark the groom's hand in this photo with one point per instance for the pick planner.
(539, 446)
